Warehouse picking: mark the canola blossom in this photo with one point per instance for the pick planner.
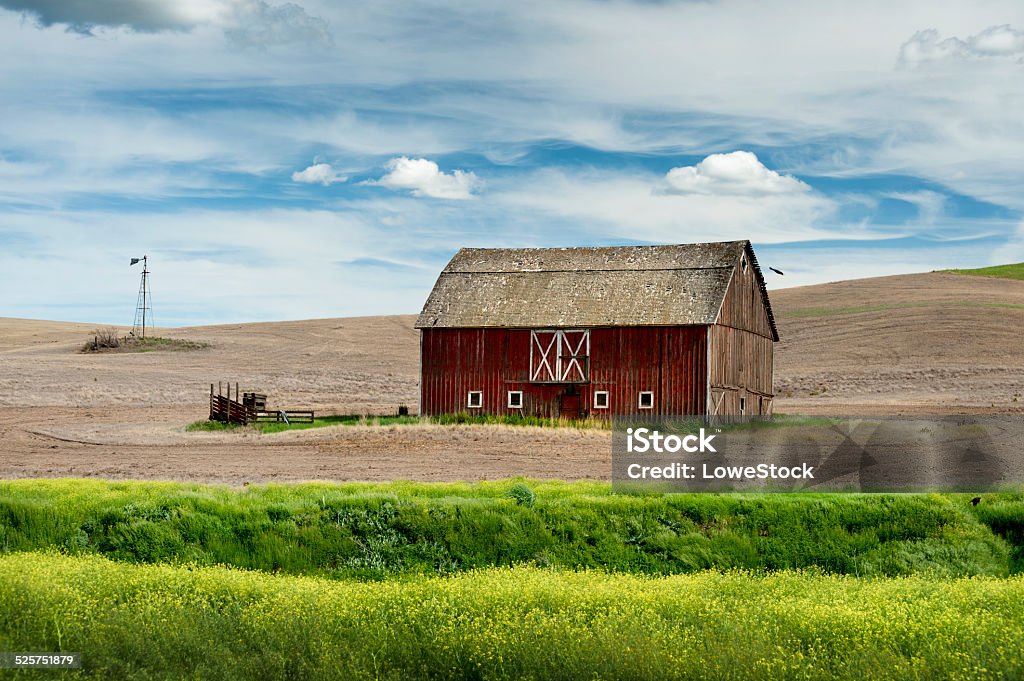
(163, 621)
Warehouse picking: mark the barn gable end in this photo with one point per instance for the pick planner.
(745, 304)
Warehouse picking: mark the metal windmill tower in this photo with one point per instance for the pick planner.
(144, 305)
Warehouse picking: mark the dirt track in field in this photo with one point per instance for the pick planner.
(922, 344)
(95, 442)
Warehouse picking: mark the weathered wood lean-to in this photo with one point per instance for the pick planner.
(574, 332)
(230, 410)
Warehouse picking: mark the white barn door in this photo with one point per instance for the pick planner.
(558, 356)
(544, 356)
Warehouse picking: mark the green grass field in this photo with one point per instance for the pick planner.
(1013, 271)
(382, 530)
(444, 420)
(318, 422)
(508, 579)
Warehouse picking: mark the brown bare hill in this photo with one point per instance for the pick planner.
(937, 338)
(925, 339)
(366, 364)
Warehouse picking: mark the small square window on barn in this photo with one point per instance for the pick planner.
(475, 399)
(515, 399)
(601, 399)
(646, 400)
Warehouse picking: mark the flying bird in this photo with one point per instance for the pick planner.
(775, 270)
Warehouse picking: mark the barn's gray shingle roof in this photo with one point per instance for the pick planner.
(676, 285)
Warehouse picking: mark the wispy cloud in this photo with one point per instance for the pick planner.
(258, 24)
(212, 280)
(930, 205)
(995, 42)
(424, 177)
(620, 206)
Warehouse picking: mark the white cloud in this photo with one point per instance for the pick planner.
(321, 173)
(739, 173)
(994, 42)
(423, 177)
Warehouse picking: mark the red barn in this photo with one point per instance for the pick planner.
(573, 332)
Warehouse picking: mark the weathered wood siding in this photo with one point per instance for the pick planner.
(740, 349)
(740, 367)
(743, 306)
(669, 361)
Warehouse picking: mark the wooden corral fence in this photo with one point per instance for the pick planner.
(248, 408)
(230, 410)
(285, 416)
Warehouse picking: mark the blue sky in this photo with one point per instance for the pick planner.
(287, 161)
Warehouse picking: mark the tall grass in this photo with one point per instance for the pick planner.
(382, 530)
(517, 420)
(1004, 513)
(164, 622)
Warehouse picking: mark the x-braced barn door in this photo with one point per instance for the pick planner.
(560, 356)
(717, 397)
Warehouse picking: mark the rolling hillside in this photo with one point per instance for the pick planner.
(937, 338)
(922, 343)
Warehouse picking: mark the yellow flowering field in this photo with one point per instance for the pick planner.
(173, 622)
